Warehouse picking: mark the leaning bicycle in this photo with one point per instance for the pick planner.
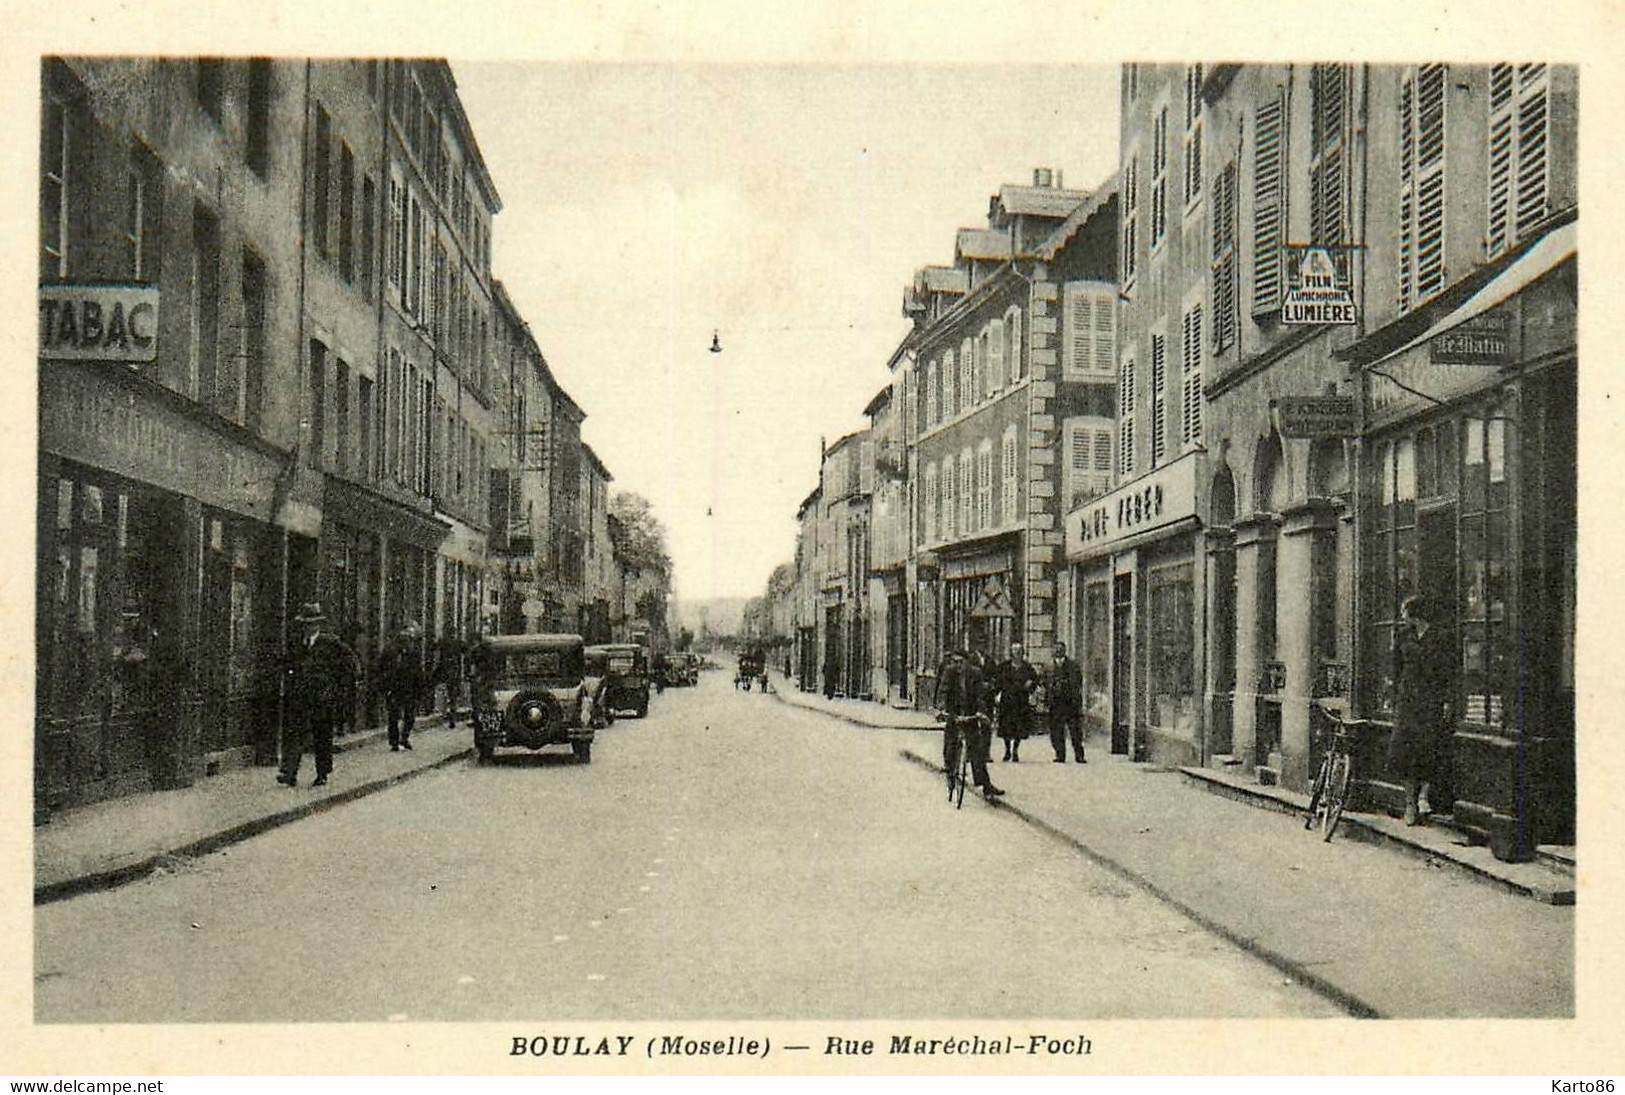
(1330, 794)
(957, 758)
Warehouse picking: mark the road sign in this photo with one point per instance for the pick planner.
(994, 603)
(532, 609)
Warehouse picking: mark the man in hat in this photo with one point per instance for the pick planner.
(962, 699)
(318, 674)
(400, 675)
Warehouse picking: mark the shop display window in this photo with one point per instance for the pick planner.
(1172, 648)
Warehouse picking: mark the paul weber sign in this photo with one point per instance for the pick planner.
(98, 323)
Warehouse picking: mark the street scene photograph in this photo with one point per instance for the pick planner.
(575, 544)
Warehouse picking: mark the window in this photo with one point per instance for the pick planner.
(211, 77)
(1159, 397)
(967, 492)
(998, 367)
(57, 146)
(1159, 178)
(984, 484)
(1193, 134)
(346, 212)
(318, 403)
(396, 270)
(143, 218)
(1485, 637)
(967, 377)
(205, 328)
(1519, 168)
(931, 405)
(1090, 315)
(1421, 183)
(949, 509)
(933, 503)
(341, 415)
(1328, 166)
(1192, 371)
(1012, 344)
(1131, 219)
(1131, 81)
(369, 200)
(1269, 203)
(1125, 416)
(1226, 293)
(981, 367)
(1088, 460)
(320, 199)
(257, 136)
(255, 289)
(1009, 485)
(1172, 677)
(366, 460)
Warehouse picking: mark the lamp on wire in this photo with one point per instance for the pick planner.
(716, 342)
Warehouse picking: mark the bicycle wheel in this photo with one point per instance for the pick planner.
(964, 772)
(1317, 793)
(951, 760)
(1337, 792)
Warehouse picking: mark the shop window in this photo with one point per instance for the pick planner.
(1172, 679)
(1096, 645)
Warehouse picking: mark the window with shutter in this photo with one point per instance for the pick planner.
(1008, 489)
(1328, 173)
(1159, 178)
(967, 492)
(1226, 297)
(995, 355)
(931, 394)
(1125, 416)
(1191, 433)
(1103, 460)
(983, 368)
(1421, 183)
(1012, 343)
(1269, 203)
(1080, 318)
(967, 377)
(950, 386)
(1079, 465)
(1519, 168)
(933, 503)
(1131, 219)
(984, 485)
(1159, 397)
(1090, 346)
(1193, 134)
(948, 491)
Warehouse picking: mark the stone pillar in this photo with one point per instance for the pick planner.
(1219, 697)
(1043, 538)
(1255, 549)
(1296, 615)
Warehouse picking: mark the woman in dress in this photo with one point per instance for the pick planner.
(1422, 677)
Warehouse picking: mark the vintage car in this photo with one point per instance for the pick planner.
(626, 685)
(531, 691)
(689, 668)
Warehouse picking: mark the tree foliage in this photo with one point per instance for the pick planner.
(643, 536)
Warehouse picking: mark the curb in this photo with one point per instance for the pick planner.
(1358, 828)
(118, 876)
(849, 719)
(1350, 1003)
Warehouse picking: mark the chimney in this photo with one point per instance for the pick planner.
(1058, 185)
(1041, 176)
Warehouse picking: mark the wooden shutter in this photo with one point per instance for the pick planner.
(1226, 302)
(1192, 341)
(995, 354)
(1080, 334)
(1159, 398)
(1131, 218)
(1009, 487)
(1269, 203)
(1125, 417)
(1519, 166)
(1422, 183)
(1105, 332)
(1102, 470)
(1533, 162)
(1328, 211)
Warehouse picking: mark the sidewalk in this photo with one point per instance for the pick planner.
(108, 843)
(1384, 934)
(879, 716)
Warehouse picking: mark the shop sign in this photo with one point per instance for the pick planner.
(1320, 286)
(1315, 416)
(1164, 497)
(1481, 340)
(117, 323)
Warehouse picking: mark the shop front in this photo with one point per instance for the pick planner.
(1136, 557)
(980, 597)
(1468, 495)
(159, 588)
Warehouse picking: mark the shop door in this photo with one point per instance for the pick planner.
(832, 650)
(1122, 659)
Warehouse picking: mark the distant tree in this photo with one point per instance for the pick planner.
(643, 536)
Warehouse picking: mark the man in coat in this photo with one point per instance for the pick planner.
(961, 696)
(1063, 687)
(317, 676)
(400, 676)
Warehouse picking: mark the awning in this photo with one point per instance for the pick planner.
(1540, 259)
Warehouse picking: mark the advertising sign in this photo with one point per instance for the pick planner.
(1481, 340)
(1320, 286)
(98, 323)
(1315, 416)
(1165, 496)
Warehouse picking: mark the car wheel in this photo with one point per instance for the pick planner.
(583, 751)
(643, 709)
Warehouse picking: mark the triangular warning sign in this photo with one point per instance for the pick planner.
(994, 603)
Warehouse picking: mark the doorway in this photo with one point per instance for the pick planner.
(1122, 659)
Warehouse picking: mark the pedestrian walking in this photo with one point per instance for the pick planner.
(1418, 746)
(449, 671)
(1063, 691)
(318, 675)
(401, 676)
(961, 697)
(1016, 679)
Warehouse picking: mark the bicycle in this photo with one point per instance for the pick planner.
(1329, 795)
(958, 768)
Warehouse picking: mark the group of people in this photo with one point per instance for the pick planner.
(321, 675)
(1013, 696)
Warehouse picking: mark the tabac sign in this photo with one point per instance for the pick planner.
(1320, 286)
(1163, 497)
(116, 323)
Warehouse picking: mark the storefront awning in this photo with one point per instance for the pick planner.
(1538, 259)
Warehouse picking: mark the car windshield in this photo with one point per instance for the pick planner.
(622, 663)
(517, 669)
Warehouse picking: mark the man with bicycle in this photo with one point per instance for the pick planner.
(961, 699)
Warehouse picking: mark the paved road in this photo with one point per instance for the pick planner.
(728, 857)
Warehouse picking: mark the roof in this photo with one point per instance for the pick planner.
(592, 458)
(1034, 201)
(465, 136)
(841, 442)
(1081, 215)
(982, 243)
(944, 279)
(882, 397)
(809, 501)
(545, 371)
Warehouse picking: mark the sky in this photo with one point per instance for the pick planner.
(784, 207)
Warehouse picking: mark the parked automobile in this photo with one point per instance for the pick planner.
(626, 685)
(532, 691)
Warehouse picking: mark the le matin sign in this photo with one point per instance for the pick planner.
(1481, 340)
